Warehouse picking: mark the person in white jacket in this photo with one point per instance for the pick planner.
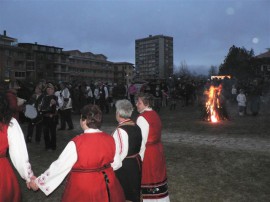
(65, 110)
(242, 100)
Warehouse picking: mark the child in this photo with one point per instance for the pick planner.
(241, 99)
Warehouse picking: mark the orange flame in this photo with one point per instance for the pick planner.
(213, 103)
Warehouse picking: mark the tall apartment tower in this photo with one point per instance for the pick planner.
(154, 57)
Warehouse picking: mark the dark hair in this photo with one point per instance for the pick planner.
(5, 111)
(147, 99)
(93, 116)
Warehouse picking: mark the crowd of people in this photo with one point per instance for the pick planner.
(174, 94)
(127, 165)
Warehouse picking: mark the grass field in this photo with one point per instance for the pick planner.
(209, 174)
(196, 171)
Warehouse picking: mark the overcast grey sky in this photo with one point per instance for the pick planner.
(203, 30)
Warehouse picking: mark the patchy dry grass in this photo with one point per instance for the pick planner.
(209, 174)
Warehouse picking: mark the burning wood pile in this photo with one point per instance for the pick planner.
(214, 109)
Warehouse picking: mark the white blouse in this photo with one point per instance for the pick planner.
(18, 150)
(144, 125)
(120, 137)
(58, 170)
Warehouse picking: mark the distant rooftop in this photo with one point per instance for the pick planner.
(154, 36)
(264, 55)
(6, 40)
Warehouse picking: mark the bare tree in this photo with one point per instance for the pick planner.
(212, 71)
(183, 70)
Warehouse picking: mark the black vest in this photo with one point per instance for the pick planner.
(134, 138)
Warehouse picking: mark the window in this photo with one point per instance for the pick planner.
(42, 48)
(7, 53)
(20, 74)
(8, 63)
(265, 68)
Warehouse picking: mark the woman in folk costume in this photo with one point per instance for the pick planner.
(154, 177)
(16, 104)
(128, 139)
(12, 140)
(87, 161)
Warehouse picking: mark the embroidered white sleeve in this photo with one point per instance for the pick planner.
(18, 151)
(52, 178)
(121, 142)
(143, 124)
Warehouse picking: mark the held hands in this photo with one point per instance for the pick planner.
(32, 185)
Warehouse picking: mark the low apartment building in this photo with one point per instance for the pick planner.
(86, 66)
(45, 62)
(123, 72)
(12, 59)
(32, 62)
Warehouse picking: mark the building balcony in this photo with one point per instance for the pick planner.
(30, 68)
(61, 72)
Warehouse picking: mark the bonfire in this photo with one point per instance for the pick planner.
(214, 105)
